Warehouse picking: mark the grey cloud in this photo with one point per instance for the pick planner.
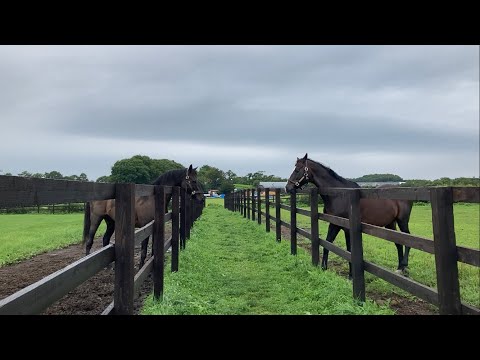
(336, 99)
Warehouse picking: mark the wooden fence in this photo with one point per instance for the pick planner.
(33, 299)
(444, 248)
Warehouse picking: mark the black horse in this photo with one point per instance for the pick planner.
(96, 211)
(379, 212)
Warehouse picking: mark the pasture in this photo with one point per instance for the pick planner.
(421, 264)
(232, 266)
(26, 235)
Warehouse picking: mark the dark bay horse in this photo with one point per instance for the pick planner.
(379, 212)
(144, 207)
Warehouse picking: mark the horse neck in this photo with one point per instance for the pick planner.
(169, 179)
(322, 178)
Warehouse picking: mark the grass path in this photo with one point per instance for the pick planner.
(232, 266)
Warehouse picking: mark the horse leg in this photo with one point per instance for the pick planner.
(332, 234)
(110, 230)
(403, 225)
(143, 255)
(392, 226)
(347, 241)
(95, 221)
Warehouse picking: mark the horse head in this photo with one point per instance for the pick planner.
(191, 184)
(300, 176)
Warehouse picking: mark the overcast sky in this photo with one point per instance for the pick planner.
(407, 110)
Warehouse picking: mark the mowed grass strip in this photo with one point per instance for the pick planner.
(231, 266)
(25, 235)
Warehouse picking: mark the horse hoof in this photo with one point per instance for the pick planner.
(403, 272)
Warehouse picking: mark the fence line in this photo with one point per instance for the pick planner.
(447, 253)
(33, 299)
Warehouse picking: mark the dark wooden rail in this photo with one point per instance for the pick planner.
(444, 248)
(35, 298)
(38, 296)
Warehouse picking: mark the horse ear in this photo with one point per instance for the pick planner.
(190, 168)
(195, 168)
(305, 157)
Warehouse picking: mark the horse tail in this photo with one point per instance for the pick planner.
(86, 222)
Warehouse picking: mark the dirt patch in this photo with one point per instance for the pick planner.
(90, 298)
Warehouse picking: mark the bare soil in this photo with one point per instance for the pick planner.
(90, 298)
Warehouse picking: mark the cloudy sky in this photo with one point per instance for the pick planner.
(408, 110)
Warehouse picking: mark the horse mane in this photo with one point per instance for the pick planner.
(334, 174)
(161, 180)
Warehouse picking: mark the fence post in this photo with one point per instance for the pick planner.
(314, 226)
(267, 209)
(253, 205)
(183, 218)
(175, 226)
(192, 213)
(278, 224)
(355, 223)
(188, 217)
(124, 248)
(159, 242)
(293, 224)
(445, 251)
(259, 205)
(248, 204)
(244, 203)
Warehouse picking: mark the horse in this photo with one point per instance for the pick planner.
(99, 210)
(380, 212)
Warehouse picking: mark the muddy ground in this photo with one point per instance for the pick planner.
(90, 298)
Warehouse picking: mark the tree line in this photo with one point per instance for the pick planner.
(141, 169)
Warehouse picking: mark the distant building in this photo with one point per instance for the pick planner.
(272, 185)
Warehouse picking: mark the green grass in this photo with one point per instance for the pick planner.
(218, 201)
(26, 235)
(421, 264)
(232, 266)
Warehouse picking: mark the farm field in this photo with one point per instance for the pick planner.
(421, 264)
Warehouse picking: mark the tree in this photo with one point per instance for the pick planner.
(211, 176)
(82, 177)
(25, 174)
(53, 175)
(141, 169)
(230, 175)
(226, 186)
(135, 170)
(104, 179)
(378, 177)
(160, 166)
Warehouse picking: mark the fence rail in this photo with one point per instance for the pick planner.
(33, 299)
(443, 247)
